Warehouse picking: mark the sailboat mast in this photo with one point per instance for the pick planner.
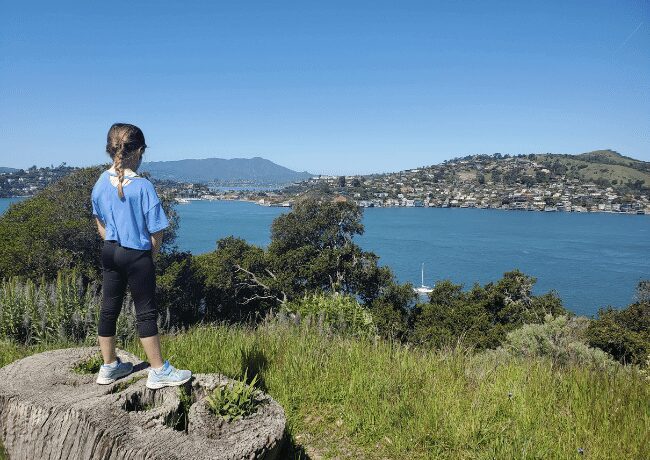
(422, 273)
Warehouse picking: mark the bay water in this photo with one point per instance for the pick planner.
(591, 260)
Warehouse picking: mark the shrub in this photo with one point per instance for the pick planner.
(482, 316)
(55, 230)
(179, 292)
(561, 339)
(64, 310)
(624, 334)
(339, 313)
(234, 401)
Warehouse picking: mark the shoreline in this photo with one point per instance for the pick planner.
(279, 205)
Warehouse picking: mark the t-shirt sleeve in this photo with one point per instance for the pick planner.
(95, 205)
(154, 213)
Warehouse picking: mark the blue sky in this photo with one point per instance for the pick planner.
(328, 87)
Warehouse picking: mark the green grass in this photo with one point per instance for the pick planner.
(89, 366)
(622, 172)
(350, 398)
(234, 401)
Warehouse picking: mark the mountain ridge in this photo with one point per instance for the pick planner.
(205, 170)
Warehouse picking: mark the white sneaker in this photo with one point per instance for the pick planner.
(168, 376)
(108, 373)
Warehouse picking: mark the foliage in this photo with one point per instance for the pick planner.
(646, 369)
(481, 317)
(624, 334)
(67, 310)
(357, 398)
(89, 366)
(55, 230)
(229, 294)
(339, 313)
(234, 401)
(179, 291)
(311, 251)
(311, 247)
(64, 310)
(51, 231)
(561, 339)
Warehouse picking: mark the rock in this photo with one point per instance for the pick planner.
(49, 411)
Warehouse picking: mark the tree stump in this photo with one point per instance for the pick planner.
(49, 411)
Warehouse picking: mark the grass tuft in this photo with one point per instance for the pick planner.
(89, 366)
(234, 401)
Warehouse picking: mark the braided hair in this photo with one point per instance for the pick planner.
(125, 144)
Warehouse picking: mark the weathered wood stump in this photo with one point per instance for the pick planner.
(48, 411)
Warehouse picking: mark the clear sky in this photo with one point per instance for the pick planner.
(328, 86)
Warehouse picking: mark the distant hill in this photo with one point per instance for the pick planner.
(601, 165)
(4, 170)
(257, 170)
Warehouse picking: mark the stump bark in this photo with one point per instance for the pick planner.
(49, 411)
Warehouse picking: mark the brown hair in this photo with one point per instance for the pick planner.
(125, 145)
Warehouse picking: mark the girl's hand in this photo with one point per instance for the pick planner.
(156, 241)
(101, 228)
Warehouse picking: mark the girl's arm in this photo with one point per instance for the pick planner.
(100, 228)
(156, 241)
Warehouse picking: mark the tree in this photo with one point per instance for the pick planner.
(341, 181)
(232, 287)
(55, 230)
(179, 292)
(311, 247)
(482, 316)
(312, 251)
(624, 334)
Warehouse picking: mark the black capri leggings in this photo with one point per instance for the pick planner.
(135, 267)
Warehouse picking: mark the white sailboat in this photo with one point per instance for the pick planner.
(423, 289)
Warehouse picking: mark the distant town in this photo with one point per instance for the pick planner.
(602, 181)
(525, 183)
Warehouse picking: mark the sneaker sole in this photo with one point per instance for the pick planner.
(157, 386)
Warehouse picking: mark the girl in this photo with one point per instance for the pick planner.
(130, 220)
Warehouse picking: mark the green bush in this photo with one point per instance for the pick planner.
(64, 310)
(179, 290)
(55, 230)
(561, 339)
(338, 313)
(624, 334)
(234, 401)
(481, 317)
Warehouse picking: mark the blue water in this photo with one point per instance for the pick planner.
(5, 202)
(592, 260)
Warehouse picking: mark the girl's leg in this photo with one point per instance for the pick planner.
(151, 347)
(114, 289)
(107, 346)
(142, 283)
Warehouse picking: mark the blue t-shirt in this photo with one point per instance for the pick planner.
(132, 220)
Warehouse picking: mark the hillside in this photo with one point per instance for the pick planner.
(599, 181)
(351, 399)
(248, 170)
(601, 165)
(4, 170)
